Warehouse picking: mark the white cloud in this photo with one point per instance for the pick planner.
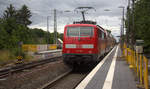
(42, 8)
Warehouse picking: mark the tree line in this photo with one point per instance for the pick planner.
(138, 23)
(14, 30)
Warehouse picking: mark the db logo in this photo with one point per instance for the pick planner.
(78, 46)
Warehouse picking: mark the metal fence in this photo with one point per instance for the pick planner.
(139, 63)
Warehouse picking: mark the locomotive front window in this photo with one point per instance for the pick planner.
(73, 31)
(86, 31)
(80, 31)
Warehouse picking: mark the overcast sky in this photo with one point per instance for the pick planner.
(40, 9)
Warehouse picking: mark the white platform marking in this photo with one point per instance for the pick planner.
(84, 83)
(109, 79)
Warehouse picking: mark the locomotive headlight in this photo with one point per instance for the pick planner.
(87, 46)
(68, 51)
(90, 51)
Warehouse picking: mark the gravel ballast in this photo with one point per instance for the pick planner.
(34, 78)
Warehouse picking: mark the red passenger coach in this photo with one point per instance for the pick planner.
(83, 43)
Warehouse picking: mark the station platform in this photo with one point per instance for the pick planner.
(48, 54)
(50, 51)
(111, 73)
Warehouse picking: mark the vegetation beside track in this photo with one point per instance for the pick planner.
(15, 31)
(8, 59)
(138, 23)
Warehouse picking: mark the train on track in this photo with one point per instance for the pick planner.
(84, 43)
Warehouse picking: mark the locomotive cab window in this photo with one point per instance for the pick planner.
(103, 35)
(80, 31)
(86, 31)
(99, 33)
(73, 31)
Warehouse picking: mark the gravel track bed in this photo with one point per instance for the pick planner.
(69, 82)
(34, 78)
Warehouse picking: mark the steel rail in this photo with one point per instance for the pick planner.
(54, 81)
(10, 70)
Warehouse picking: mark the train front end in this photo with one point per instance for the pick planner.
(79, 44)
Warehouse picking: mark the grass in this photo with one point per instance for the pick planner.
(28, 58)
(6, 57)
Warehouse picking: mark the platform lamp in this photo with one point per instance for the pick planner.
(107, 10)
(67, 11)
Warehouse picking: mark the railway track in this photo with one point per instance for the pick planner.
(68, 80)
(19, 67)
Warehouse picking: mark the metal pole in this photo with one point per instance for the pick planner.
(47, 27)
(133, 40)
(122, 27)
(55, 27)
(122, 34)
(128, 30)
(123, 20)
(47, 31)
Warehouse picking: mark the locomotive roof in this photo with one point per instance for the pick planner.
(85, 22)
(71, 25)
(80, 25)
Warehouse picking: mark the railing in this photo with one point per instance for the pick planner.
(139, 63)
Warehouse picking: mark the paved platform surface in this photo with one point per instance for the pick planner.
(50, 51)
(111, 73)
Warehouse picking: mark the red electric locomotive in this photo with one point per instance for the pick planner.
(83, 43)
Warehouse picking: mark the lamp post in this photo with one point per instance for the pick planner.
(122, 33)
(106, 18)
(122, 29)
(67, 11)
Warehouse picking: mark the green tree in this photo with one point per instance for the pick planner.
(60, 35)
(3, 37)
(141, 22)
(38, 36)
(23, 16)
(10, 12)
